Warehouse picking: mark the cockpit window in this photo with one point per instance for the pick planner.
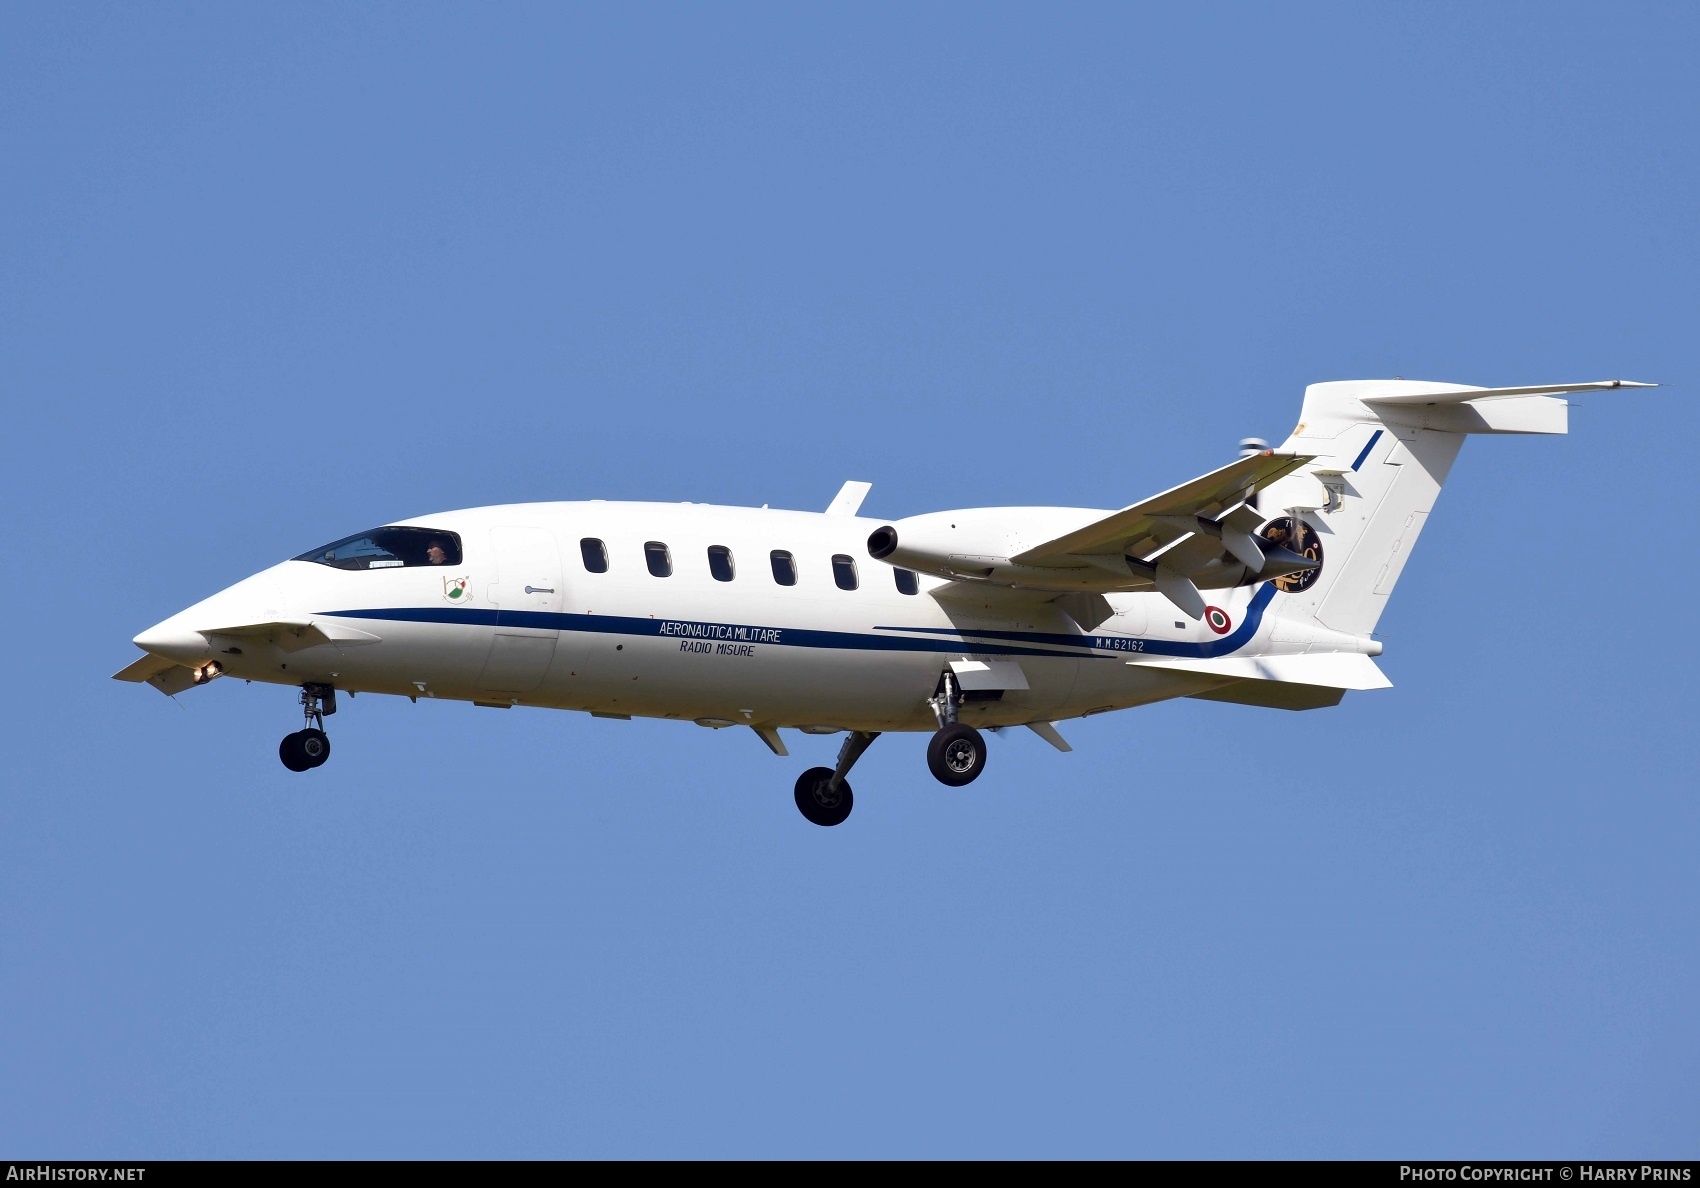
(388, 548)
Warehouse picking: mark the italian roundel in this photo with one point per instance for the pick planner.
(1217, 620)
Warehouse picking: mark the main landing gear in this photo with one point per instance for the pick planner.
(309, 746)
(956, 756)
(823, 794)
(957, 753)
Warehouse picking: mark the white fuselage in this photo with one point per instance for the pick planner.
(532, 625)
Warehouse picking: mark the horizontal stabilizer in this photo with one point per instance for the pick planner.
(1453, 395)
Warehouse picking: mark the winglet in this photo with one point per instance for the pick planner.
(848, 501)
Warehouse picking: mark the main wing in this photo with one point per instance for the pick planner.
(1162, 519)
(1197, 536)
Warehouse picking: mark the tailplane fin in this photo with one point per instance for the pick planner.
(1381, 450)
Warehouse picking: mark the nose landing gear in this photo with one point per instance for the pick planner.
(304, 749)
(310, 746)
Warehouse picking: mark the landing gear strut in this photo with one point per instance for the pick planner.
(309, 746)
(957, 753)
(823, 794)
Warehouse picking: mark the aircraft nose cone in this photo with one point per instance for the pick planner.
(174, 642)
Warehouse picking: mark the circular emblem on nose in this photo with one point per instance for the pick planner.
(457, 590)
(1217, 620)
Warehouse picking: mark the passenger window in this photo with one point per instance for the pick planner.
(388, 548)
(595, 554)
(844, 571)
(907, 582)
(660, 560)
(720, 562)
(784, 567)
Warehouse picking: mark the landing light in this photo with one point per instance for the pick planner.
(208, 671)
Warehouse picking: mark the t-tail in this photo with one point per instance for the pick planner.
(1381, 450)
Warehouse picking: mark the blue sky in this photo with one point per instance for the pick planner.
(271, 275)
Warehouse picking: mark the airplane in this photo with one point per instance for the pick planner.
(1259, 583)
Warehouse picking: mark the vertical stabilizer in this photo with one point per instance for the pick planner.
(1382, 450)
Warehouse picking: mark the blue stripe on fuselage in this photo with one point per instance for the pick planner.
(1151, 647)
(1011, 643)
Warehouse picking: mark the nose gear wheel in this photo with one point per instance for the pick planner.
(310, 746)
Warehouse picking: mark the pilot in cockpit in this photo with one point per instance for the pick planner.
(437, 553)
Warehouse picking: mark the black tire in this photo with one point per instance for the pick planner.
(315, 747)
(957, 755)
(292, 754)
(816, 803)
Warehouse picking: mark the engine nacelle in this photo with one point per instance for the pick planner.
(941, 553)
(976, 546)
